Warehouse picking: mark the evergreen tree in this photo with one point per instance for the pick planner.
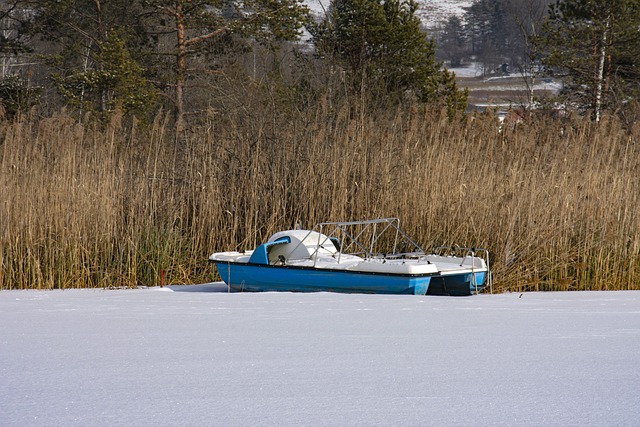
(498, 30)
(488, 29)
(595, 42)
(16, 95)
(452, 41)
(117, 84)
(478, 20)
(73, 30)
(198, 24)
(384, 52)
(88, 46)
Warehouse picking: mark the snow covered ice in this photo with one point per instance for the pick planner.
(201, 356)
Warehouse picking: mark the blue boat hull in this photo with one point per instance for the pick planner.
(457, 284)
(260, 277)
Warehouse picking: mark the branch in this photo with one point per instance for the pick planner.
(199, 39)
(7, 12)
(165, 10)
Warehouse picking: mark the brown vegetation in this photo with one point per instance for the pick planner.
(83, 206)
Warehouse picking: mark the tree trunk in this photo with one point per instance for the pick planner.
(181, 68)
(602, 55)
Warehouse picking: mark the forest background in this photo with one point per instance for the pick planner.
(137, 137)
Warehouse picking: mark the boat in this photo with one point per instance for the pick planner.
(370, 256)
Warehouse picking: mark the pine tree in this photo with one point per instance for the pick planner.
(384, 52)
(489, 30)
(73, 30)
(93, 49)
(595, 43)
(498, 30)
(118, 83)
(452, 41)
(196, 24)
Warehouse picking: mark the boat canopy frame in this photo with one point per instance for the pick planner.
(348, 237)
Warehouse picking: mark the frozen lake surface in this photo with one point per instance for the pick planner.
(201, 356)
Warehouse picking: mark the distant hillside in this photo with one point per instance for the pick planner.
(431, 12)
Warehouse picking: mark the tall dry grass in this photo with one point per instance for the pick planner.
(82, 206)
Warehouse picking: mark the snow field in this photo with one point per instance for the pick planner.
(201, 356)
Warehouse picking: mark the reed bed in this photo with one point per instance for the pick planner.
(555, 203)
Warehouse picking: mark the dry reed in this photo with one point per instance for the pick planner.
(82, 206)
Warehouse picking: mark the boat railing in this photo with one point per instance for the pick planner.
(363, 237)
